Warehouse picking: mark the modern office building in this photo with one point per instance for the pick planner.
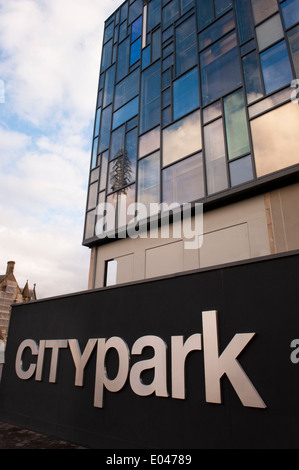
(197, 102)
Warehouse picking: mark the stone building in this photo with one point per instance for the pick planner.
(10, 293)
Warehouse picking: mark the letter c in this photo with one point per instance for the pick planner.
(21, 373)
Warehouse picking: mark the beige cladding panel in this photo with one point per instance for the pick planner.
(232, 233)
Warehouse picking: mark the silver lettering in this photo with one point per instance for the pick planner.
(102, 380)
(158, 363)
(216, 366)
(179, 353)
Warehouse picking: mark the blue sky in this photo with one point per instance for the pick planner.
(49, 63)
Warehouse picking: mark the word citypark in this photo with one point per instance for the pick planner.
(215, 366)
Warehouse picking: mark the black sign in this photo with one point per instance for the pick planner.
(202, 360)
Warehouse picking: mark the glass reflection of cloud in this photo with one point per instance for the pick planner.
(182, 138)
(276, 139)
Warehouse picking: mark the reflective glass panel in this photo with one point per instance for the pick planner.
(122, 31)
(290, 11)
(262, 9)
(241, 171)
(125, 113)
(136, 29)
(182, 138)
(215, 157)
(217, 30)
(156, 45)
(90, 222)
(186, 5)
(135, 51)
(105, 128)
(109, 86)
(107, 55)
(170, 13)
(244, 20)
(253, 80)
(221, 6)
(154, 14)
(131, 149)
(146, 57)
(276, 139)
(212, 112)
(186, 48)
(120, 172)
(92, 197)
(269, 32)
(184, 181)
(293, 36)
(123, 59)
(127, 89)
(97, 124)
(117, 142)
(236, 125)
(149, 142)
(94, 175)
(149, 180)
(104, 168)
(205, 13)
(95, 153)
(276, 67)
(135, 10)
(220, 69)
(185, 94)
(150, 97)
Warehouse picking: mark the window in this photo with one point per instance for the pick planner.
(170, 13)
(136, 29)
(149, 142)
(154, 14)
(269, 32)
(125, 113)
(276, 139)
(215, 157)
(89, 227)
(92, 197)
(186, 49)
(184, 181)
(217, 30)
(94, 153)
(149, 180)
(117, 142)
(293, 36)
(135, 51)
(207, 9)
(241, 171)
(105, 128)
(262, 9)
(127, 89)
(150, 98)
(276, 67)
(236, 125)
(109, 86)
(97, 124)
(110, 273)
(290, 11)
(244, 20)
(107, 55)
(185, 94)
(182, 138)
(220, 69)
(253, 81)
(104, 167)
(123, 59)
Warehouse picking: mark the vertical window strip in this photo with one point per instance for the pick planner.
(144, 26)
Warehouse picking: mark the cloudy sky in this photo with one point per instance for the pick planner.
(49, 65)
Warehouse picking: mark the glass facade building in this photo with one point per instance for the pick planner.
(194, 101)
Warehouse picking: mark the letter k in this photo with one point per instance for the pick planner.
(216, 367)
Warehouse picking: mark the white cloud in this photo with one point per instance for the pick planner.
(50, 55)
